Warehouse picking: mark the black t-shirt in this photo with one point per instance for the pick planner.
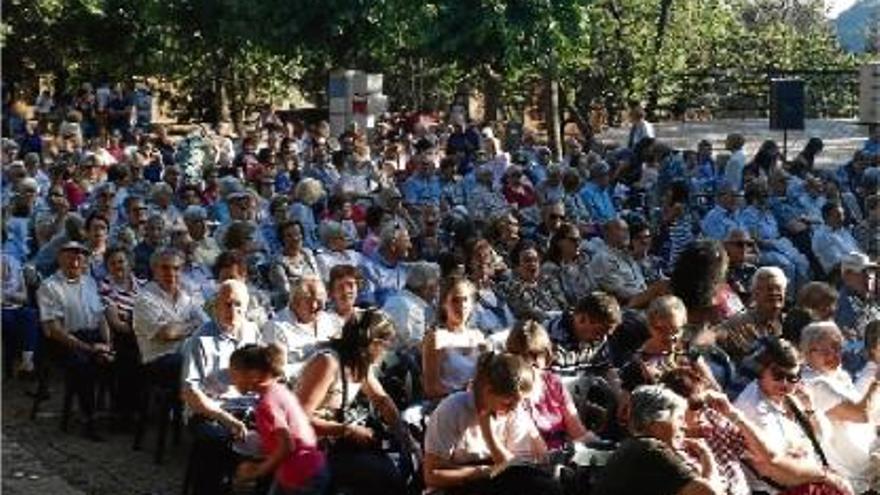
(645, 466)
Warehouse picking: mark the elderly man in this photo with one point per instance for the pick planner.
(834, 240)
(388, 270)
(721, 219)
(72, 314)
(411, 308)
(164, 315)
(423, 187)
(207, 390)
(741, 255)
(155, 236)
(206, 248)
(617, 273)
(304, 325)
(596, 193)
(858, 303)
(737, 335)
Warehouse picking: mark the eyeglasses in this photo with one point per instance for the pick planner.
(785, 376)
(556, 216)
(743, 244)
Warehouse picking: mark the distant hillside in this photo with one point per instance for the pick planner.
(852, 24)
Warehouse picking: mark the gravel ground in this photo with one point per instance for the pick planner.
(39, 459)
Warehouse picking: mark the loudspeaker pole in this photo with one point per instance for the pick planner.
(785, 145)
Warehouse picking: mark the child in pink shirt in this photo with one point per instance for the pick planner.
(289, 441)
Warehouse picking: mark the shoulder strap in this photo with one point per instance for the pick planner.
(801, 419)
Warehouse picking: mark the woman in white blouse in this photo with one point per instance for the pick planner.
(850, 431)
(777, 404)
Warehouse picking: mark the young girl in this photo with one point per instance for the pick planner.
(289, 442)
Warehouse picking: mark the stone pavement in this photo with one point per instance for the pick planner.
(39, 459)
(841, 136)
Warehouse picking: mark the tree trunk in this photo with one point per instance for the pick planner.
(492, 98)
(654, 87)
(554, 124)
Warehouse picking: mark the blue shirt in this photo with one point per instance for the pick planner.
(760, 223)
(598, 201)
(718, 222)
(420, 190)
(206, 357)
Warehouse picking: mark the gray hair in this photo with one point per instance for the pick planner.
(307, 285)
(308, 191)
(160, 188)
(330, 229)
(819, 331)
(651, 403)
(420, 274)
(165, 252)
(667, 306)
(195, 212)
(390, 231)
(768, 273)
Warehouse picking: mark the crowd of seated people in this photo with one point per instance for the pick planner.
(693, 322)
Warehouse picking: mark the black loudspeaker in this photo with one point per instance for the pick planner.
(786, 104)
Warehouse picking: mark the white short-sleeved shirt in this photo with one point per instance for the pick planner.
(76, 303)
(298, 339)
(154, 308)
(459, 352)
(780, 433)
(454, 431)
(411, 316)
(846, 443)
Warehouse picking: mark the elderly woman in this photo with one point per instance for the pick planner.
(565, 267)
(305, 195)
(292, 263)
(656, 450)
(334, 239)
(835, 397)
(779, 406)
(526, 292)
(327, 387)
(474, 434)
(549, 404)
(664, 350)
(450, 352)
(303, 325)
(490, 313)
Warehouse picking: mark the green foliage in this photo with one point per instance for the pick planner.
(238, 52)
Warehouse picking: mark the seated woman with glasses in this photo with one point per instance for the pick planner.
(327, 388)
(549, 403)
(475, 436)
(779, 406)
(565, 267)
(851, 431)
(665, 348)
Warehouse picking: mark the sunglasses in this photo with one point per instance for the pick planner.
(556, 216)
(785, 376)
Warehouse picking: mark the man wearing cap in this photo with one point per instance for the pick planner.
(721, 219)
(597, 195)
(72, 314)
(858, 302)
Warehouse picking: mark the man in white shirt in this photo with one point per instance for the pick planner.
(164, 315)
(733, 170)
(411, 308)
(72, 315)
(833, 240)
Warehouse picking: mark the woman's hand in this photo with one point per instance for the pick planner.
(360, 435)
(247, 470)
